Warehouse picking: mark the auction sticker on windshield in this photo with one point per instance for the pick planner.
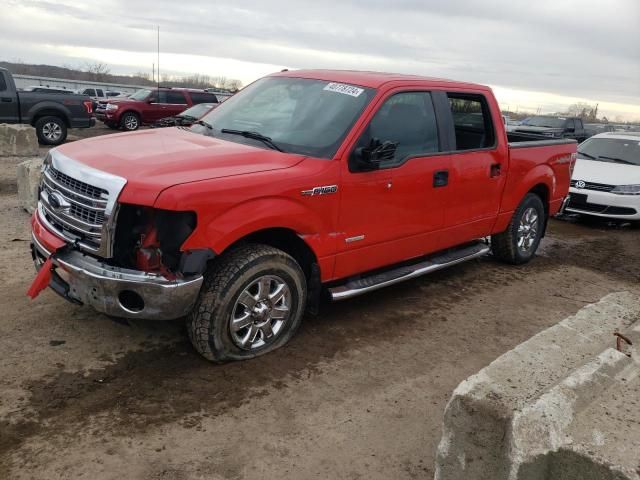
(343, 88)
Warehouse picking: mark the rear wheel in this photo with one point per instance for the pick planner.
(130, 121)
(251, 303)
(51, 130)
(519, 242)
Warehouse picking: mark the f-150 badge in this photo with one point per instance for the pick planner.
(326, 190)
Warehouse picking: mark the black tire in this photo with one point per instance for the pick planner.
(505, 245)
(210, 322)
(130, 121)
(51, 130)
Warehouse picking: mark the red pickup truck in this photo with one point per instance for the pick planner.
(303, 184)
(148, 106)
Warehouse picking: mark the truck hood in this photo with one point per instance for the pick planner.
(606, 172)
(153, 160)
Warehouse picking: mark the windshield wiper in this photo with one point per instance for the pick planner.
(591, 157)
(253, 135)
(619, 160)
(204, 124)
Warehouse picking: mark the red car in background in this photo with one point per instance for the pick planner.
(149, 105)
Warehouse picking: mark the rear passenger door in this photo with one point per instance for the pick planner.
(176, 103)
(478, 168)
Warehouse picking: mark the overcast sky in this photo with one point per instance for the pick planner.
(543, 53)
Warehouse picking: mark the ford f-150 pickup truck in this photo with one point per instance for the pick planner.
(303, 184)
(50, 113)
(554, 127)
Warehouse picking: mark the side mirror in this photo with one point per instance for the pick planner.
(570, 129)
(371, 156)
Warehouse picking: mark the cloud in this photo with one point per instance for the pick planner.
(582, 49)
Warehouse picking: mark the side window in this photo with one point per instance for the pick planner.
(3, 83)
(472, 121)
(197, 97)
(158, 97)
(176, 97)
(407, 119)
(579, 125)
(570, 125)
(99, 93)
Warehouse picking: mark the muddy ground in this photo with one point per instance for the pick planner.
(359, 393)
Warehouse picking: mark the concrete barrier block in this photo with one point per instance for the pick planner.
(28, 178)
(544, 410)
(18, 141)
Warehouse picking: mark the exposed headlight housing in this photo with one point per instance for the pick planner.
(626, 190)
(111, 107)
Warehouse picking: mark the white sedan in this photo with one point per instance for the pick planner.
(606, 177)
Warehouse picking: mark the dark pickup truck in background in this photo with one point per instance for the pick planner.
(554, 127)
(50, 113)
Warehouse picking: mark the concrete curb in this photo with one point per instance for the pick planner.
(18, 141)
(530, 413)
(28, 178)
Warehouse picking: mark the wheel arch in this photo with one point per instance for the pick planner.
(50, 112)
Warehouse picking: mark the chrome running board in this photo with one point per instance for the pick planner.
(373, 282)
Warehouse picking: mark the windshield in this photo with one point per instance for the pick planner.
(551, 122)
(614, 150)
(304, 116)
(140, 94)
(197, 110)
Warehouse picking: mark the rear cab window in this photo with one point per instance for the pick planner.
(472, 121)
(3, 83)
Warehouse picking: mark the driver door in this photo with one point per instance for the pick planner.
(392, 211)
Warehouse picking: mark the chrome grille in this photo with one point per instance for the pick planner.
(600, 187)
(76, 185)
(74, 208)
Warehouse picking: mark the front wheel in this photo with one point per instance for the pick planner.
(519, 242)
(130, 121)
(251, 303)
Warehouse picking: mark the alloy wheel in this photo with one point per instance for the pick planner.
(528, 229)
(52, 131)
(260, 312)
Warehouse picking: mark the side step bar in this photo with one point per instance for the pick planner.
(373, 282)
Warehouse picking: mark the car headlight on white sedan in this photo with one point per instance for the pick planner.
(626, 190)
(111, 107)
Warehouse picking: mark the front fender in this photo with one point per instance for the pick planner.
(219, 232)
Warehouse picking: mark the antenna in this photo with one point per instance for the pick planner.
(158, 61)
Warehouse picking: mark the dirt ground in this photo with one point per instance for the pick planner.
(359, 393)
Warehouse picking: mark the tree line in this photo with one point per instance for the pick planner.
(100, 72)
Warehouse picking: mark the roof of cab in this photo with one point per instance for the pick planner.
(373, 79)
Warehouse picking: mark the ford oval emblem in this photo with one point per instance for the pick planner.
(57, 201)
(580, 184)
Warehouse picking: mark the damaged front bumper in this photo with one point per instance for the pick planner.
(120, 292)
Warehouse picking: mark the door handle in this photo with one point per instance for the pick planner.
(440, 178)
(496, 170)
(7, 99)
